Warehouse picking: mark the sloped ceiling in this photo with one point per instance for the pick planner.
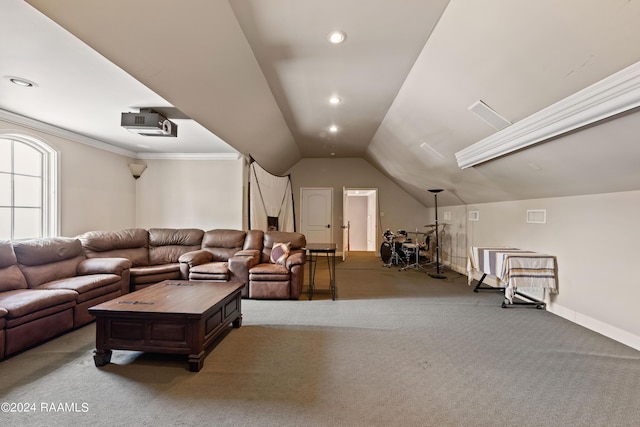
(258, 73)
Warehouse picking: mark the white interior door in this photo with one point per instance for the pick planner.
(316, 213)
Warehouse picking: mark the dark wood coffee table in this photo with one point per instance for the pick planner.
(174, 316)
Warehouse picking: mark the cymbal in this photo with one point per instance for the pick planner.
(434, 226)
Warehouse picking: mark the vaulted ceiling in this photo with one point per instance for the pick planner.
(255, 76)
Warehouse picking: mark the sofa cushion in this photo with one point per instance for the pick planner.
(132, 244)
(12, 278)
(22, 302)
(279, 253)
(155, 269)
(223, 243)
(211, 268)
(47, 259)
(167, 244)
(86, 286)
(298, 241)
(266, 272)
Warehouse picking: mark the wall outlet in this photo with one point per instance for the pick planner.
(447, 216)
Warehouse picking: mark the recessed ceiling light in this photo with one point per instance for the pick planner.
(335, 100)
(20, 81)
(333, 129)
(336, 37)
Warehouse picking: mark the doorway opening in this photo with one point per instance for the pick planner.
(361, 213)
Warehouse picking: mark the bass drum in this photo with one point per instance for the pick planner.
(385, 252)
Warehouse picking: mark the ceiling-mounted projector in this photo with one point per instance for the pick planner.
(148, 123)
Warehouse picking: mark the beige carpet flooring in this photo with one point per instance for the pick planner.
(395, 349)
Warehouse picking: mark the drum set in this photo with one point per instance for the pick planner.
(400, 250)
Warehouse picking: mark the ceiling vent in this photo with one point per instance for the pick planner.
(487, 114)
(149, 123)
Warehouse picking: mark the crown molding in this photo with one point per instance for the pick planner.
(37, 125)
(613, 95)
(188, 156)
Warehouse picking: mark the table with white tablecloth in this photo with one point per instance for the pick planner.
(515, 268)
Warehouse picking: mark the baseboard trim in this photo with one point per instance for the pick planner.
(588, 322)
(595, 325)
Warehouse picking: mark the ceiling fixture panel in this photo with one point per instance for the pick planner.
(337, 37)
(487, 114)
(20, 81)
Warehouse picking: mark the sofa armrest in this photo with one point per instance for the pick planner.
(241, 263)
(299, 258)
(103, 265)
(198, 257)
(190, 259)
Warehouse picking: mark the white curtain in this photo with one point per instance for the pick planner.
(270, 196)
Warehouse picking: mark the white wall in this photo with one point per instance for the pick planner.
(203, 194)
(399, 209)
(97, 191)
(595, 239)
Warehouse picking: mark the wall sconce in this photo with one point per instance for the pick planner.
(137, 169)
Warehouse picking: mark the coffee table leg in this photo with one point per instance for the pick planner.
(196, 361)
(101, 357)
(238, 322)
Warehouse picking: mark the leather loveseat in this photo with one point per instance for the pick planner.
(46, 286)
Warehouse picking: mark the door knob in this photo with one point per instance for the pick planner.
(328, 225)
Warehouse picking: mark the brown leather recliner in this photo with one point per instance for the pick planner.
(226, 255)
(271, 280)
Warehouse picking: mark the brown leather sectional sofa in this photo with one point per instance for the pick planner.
(47, 285)
(216, 255)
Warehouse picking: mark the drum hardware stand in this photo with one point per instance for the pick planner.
(437, 274)
(395, 258)
(416, 264)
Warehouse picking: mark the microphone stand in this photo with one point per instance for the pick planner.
(437, 275)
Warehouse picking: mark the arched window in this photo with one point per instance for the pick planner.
(28, 188)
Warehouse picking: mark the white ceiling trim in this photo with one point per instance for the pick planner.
(188, 156)
(613, 95)
(39, 126)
